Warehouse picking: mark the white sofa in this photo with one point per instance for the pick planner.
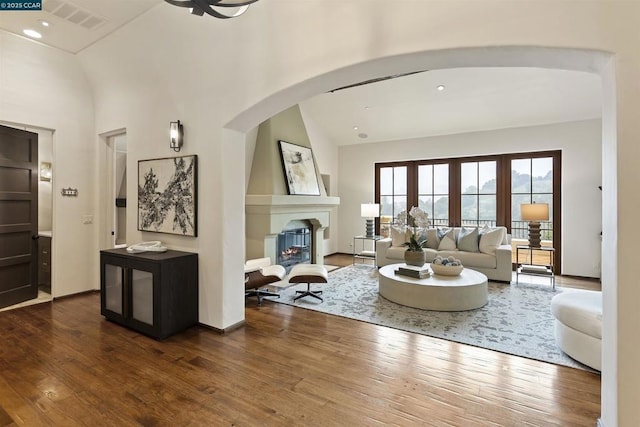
(493, 258)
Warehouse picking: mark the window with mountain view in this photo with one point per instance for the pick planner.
(474, 191)
(531, 182)
(478, 199)
(433, 192)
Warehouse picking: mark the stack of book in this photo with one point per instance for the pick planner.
(415, 272)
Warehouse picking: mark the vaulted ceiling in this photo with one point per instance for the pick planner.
(472, 99)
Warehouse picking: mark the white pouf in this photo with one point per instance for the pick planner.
(578, 325)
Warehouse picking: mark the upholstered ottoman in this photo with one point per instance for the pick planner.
(578, 325)
(308, 273)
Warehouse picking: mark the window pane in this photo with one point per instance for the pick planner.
(386, 181)
(487, 208)
(426, 204)
(400, 180)
(487, 177)
(521, 176)
(386, 205)
(469, 207)
(440, 211)
(542, 172)
(441, 179)
(399, 204)
(469, 178)
(425, 179)
(516, 201)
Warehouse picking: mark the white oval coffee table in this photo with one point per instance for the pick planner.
(440, 293)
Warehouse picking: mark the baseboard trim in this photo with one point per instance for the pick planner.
(225, 330)
(78, 294)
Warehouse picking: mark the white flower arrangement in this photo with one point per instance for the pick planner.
(416, 217)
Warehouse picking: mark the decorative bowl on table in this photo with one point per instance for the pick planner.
(446, 266)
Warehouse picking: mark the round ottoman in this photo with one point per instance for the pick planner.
(578, 325)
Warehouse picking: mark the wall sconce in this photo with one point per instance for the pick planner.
(45, 171)
(176, 135)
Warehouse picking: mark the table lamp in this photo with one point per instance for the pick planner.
(534, 213)
(370, 211)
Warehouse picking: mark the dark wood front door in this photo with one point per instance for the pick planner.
(18, 216)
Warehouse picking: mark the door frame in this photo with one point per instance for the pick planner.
(106, 190)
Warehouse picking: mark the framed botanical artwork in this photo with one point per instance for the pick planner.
(167, 195)
(299, 169)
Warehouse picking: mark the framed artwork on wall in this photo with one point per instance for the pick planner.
(299, 169)
(167, 195)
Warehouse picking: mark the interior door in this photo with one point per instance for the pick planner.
(18, 216)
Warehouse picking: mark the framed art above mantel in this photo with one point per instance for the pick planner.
(167, 195)
(299, 169)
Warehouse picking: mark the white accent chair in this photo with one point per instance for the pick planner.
(578, 325)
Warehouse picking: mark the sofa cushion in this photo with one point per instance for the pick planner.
(399, 235)
(433, 241)
(468, 239)
(447, 239)
(396, 252)
(490, 239)
(472, 259)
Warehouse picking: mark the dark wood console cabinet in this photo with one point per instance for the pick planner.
(154, 293)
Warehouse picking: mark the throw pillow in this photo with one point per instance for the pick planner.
(399, 235)
(490, 239)
(468, 239)
(447, 239)
(433, 241)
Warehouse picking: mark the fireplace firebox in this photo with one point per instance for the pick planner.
(293, 245)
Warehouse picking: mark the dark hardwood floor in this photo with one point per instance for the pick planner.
(62, 364)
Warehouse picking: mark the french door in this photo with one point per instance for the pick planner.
(474, 192)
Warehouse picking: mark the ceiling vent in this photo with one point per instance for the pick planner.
(73, 14)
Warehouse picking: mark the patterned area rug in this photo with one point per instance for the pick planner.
(517, 319)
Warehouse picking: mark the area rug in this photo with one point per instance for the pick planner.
(516, 320)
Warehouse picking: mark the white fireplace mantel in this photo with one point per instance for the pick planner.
(268, 215)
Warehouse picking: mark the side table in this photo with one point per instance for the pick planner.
(535, 267)
(363, 253)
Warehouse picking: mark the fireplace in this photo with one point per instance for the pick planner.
(268, 216)
(294, 245)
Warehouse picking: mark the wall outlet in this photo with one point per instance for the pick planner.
(87, 219)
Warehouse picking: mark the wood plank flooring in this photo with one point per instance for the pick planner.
(62, 364)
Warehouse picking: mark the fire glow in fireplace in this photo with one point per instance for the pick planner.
(294, 245)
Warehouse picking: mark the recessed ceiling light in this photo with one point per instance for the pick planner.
(32, 33)
(440, 88)
(366, 107)
(44, 23)
(355, 128)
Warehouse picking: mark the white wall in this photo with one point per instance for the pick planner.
(581, 147)
(46, 88)
(326, 154)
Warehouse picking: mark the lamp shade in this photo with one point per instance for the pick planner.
(535, 212)
(370, 210)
